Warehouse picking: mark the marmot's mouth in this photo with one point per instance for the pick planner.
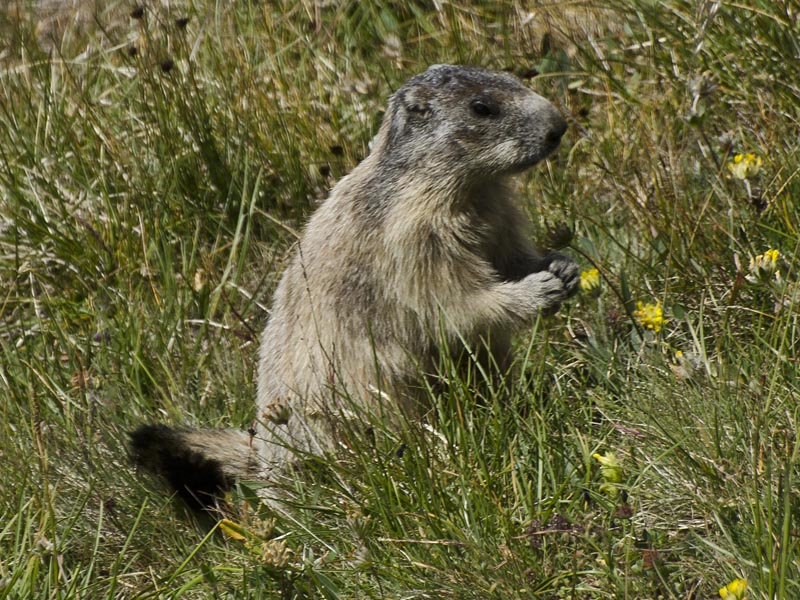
(535, 158)
(526, 164)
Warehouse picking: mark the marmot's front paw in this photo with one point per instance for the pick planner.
(546, 290)
(566, 270)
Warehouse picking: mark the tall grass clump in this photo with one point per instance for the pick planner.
(156, 162)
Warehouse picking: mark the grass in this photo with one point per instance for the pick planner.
(153, 172)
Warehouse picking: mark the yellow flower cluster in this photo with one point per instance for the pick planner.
(735, 590)
(745, 166)
(649, 315)
(764, 266)
(590, 281)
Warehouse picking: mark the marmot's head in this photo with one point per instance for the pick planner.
(468, 123)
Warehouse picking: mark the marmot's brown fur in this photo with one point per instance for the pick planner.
(419, 250)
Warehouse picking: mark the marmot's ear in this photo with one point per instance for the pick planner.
(416, 99)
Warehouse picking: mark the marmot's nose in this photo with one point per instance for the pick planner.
(557, 129)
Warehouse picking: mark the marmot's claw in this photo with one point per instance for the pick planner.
(566, 270)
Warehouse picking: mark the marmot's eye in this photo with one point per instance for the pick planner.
(483, 109)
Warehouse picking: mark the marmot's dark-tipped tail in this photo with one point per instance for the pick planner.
(199, 465)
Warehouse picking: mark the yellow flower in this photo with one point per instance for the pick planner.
(735, 590)
(610, 473)
(273, 553)
(764, 266)
(649, 315)
(590, 281)
(233, 530)
(684, 365)
(744, 166)
(610, 469)
(771, 256)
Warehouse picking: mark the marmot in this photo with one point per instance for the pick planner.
(419, 250)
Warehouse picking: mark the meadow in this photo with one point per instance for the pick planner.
(157, 160)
